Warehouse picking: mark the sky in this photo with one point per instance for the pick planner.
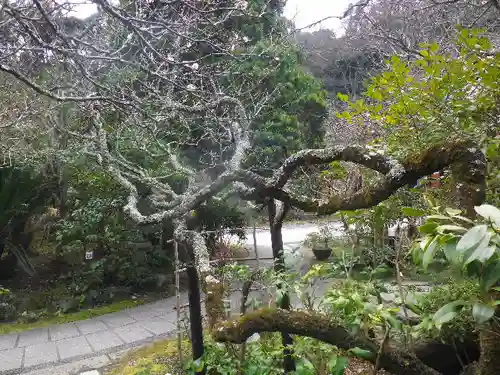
(305, 12)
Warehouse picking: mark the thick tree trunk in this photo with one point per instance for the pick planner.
(470, 170)
(489, 362)
(277, 213)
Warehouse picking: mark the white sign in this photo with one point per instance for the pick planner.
(89, 255)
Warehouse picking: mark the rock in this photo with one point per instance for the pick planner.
(413, 317)
(388, 297)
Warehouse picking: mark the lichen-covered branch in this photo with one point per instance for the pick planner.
(320, 327)
(395, 174)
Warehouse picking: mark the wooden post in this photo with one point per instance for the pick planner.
(255, 246)
(195, 317)
(178, 300)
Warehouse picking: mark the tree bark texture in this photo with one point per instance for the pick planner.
(468, 163)
(320, 327)
(489, 335)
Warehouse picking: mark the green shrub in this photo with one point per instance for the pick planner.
(439, 296)
(7, 307)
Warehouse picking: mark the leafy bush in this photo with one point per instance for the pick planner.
(7, 308)
(122, 254)
(220, 218)
(439, 296)
(265, 356)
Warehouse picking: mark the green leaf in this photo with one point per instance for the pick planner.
(332, 362)
(429, 252)
(485, 253)
(489, 212)
(362, 353)
(428, 228)
(395, 59)
(198, 364)
(451, 253)
(393, 322)
(472, 238)
(451, 228)
(482, 313)
(447, 313)
(453, 211)
(413, 212)
(438, 217)
(473, 269)
(340, 366)
(482, 252)
(491, 275)
(463, 218)
(342, 97)
(304, 367)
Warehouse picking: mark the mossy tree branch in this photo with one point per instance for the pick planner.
(320, 327)
(468, 161)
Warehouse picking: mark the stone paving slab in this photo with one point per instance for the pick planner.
(104, 340)
(132, 332)
(90, 326)
(118, 319)
(73, 347)
(63, 331)
(33, 337)
(40, 354)
(8, 341)
(143, 313)
(73, 368)
(11, 359)
(159, 326)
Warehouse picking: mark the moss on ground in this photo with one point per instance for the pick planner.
(19, 326)
(159, 358)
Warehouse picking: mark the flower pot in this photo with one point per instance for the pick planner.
(322, 254)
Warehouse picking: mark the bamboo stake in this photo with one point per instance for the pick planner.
(255, 246)
(178, 300)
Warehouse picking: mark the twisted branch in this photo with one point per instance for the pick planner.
(320, 327)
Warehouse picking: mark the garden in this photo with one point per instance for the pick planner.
(145, 144)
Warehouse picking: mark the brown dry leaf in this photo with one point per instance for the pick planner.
(359, 367)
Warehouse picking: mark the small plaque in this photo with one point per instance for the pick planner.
(89, 255)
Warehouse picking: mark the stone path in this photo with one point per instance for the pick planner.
(44, 347)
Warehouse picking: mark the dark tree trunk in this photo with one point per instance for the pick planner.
(277, 213)
(489, 361)
(195, 316)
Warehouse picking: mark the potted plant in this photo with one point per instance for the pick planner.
(320, 244)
